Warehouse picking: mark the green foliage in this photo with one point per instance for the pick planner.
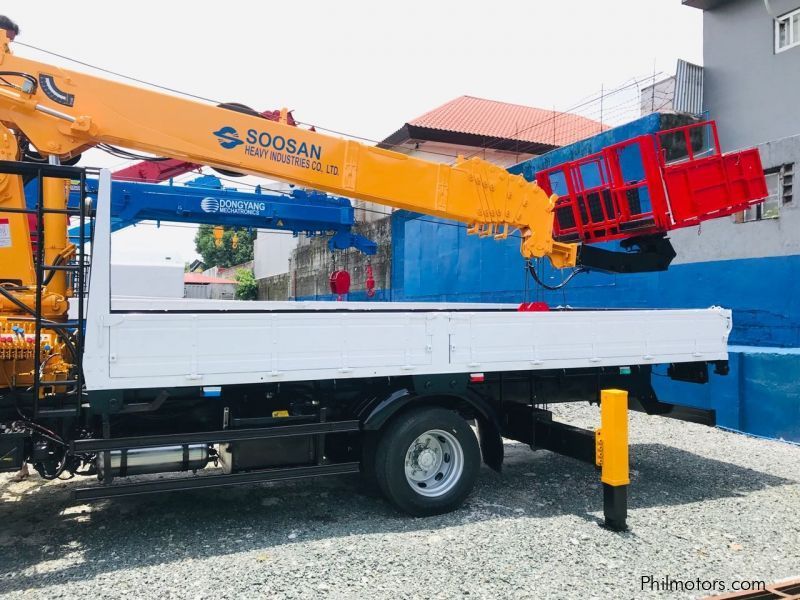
(246, 285)
(225, 255)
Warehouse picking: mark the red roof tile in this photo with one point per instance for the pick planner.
(491, 118)
(200, 278)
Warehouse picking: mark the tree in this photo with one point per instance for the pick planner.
(224, 255)
(246, 285)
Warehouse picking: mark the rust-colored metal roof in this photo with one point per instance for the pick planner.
(200, 278)
(490, 118)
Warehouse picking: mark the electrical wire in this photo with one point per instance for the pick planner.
(27, 76)
(49, 435)
(586, 101)
(490, 146)
(552, 288)
(25, 308)
(126, 154)
(556, 114)
(314, 125)
(61, 468)
(56, 262)
(253, 185)
(42, 430)
(320, 127)
(116, 74)
(372, 141)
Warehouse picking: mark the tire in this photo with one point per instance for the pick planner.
(369, 485)
(427, 461)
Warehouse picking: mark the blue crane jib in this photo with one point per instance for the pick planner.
(205, 200)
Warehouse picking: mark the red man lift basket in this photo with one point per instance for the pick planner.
(652, 184)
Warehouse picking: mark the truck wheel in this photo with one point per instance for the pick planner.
(427, 461)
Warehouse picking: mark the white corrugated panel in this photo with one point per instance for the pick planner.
(688, 88)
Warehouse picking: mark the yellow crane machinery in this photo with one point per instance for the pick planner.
(18, 278)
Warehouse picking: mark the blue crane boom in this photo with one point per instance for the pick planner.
(205, 200)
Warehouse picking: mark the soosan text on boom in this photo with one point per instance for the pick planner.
(282, 144)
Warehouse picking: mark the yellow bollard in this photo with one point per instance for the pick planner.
(611, 455)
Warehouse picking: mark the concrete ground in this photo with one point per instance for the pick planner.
(706, 506)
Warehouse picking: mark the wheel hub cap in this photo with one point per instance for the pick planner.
(426, 459)
(434, 463)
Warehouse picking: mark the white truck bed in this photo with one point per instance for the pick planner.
(150, 343)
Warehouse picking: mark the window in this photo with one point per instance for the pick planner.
(787, 31)
(779, 188)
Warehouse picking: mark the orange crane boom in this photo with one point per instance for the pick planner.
(64, 112)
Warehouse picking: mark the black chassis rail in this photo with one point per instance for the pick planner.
(518, 410)
(197, 482)
(211, 437)
(106, 445)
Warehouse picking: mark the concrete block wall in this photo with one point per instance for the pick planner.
(228, 272)
(275, 287)
(311, 264)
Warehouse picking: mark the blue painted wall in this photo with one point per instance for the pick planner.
(434, 261)
(759, 396)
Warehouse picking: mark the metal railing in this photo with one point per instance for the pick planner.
(47, 399)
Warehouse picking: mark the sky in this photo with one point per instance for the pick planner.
(357, 66)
